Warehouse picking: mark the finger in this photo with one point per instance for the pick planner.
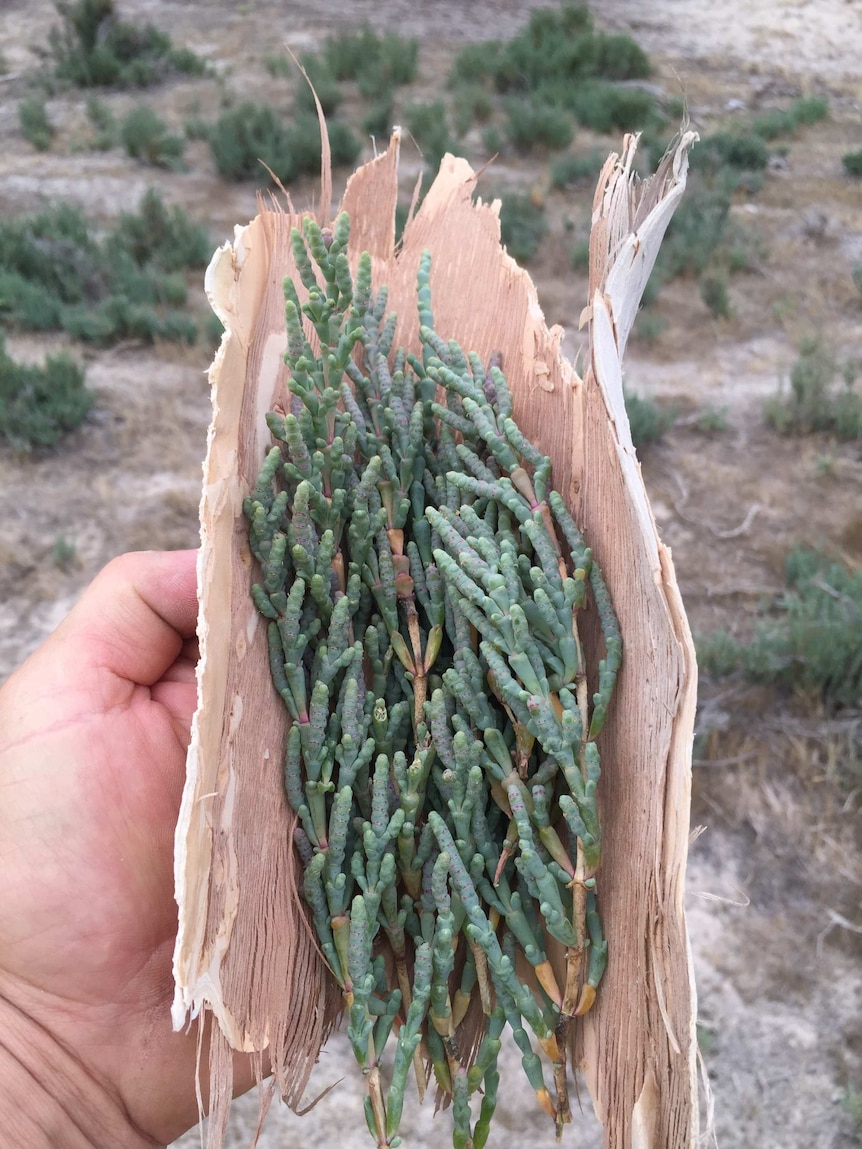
(135, 616)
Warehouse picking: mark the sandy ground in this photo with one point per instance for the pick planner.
(776, 877)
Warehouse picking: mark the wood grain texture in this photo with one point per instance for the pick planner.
(244, 950)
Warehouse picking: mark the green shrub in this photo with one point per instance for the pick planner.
(695, 232)
(714, 293)
(648, 421)
(55, 273)
(377, 63)
(852, 162)
(146, 137)
(712, 420)
(428, 125)
(608, 109)
(814, 402)
(531, 125)
(279, 66)
(160, 236)
(649, 327)
(472, 103)
(811, 640)
(580, 256)
(575, 171)
(523, 226)
(380, 117)
(104, 124)
(197, 128)
(563, 46)
(34, 123)
(93, 47)
(786, 121)
(856, 276)
(328, 89)
(40, 404)
(476, 63)
(250, 133)
(738, 151)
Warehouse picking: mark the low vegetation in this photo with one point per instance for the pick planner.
(852, 162)
(34, 123)
(58, 273)
(523, 226)
(93, 47)
(40, 404)
(251, 135)
(809, 640)
(820, 396)
(559, 69)
(647, 420)
(148, 138)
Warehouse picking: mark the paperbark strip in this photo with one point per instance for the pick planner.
(244, 948)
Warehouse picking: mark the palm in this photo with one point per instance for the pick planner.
(95, 730)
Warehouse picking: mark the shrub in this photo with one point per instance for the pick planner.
(650, 327)
(55, 273)
(813, 402)
(856, 276)
(696, 230)
(328, 89)
(574, 171)
(160, 236)
(531, 125)
(250, 132)
(852, 162)
(146, 137)
(608, 109)
(786, 121)
(648, 421)
(377, 63)
(40, 404)
(94, 48)
(580, 257)
(812, 639)
(34, 123)
(523, 226)
(738, 151)
(379, 118)
(428, 125)
(563, 46)
(714, 293)
(471, 103)
(103, 123)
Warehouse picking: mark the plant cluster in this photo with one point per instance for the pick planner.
(647, 421)
(250, 135)
(810, 641)
(378, 64)
(523, 225)
(94, 48)
(57, 273)
(423, 584)
(34, 123)
(852, 162)
(815, 400)
(147, 137)
(40, 404)
(559, 68)
(778, 122)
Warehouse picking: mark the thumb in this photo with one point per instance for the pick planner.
(133, 618)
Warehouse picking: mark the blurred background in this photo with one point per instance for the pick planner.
(130, 135)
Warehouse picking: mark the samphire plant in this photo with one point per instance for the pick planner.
(423, 585)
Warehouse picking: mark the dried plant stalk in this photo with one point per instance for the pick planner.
(244, 949)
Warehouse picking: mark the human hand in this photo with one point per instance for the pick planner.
(93, 735)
